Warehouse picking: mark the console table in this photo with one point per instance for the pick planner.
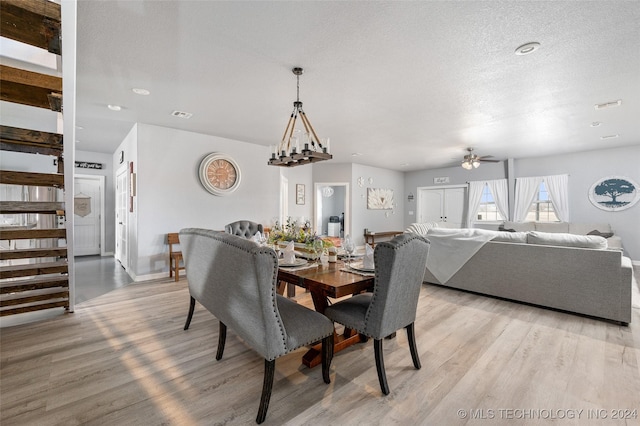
(370, 237)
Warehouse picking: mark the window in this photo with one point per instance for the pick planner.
(541, 209)
(487, 210)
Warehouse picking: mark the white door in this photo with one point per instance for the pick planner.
(442, 205)
(454, 202)
(87, 224)
(122, 202)
(431, 205)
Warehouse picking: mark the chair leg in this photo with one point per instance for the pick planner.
(269, 372)
(222, 338)
(192, 305)
(411, 336)
(382, 376)
(327, 356)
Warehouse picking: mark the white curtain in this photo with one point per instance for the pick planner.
(526, 190)
(500, 193)
(475, 195)
(558, 188)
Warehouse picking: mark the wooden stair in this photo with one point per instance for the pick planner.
(34, 273)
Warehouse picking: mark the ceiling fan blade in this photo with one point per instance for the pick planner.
(485, 160)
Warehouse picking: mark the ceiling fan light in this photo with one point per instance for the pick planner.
(476, 163)
(467, 165)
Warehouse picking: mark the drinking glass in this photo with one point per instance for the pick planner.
(349, 247)
(318, 246)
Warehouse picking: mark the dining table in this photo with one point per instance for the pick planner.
(328, 281)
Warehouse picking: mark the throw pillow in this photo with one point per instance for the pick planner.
(511, 237)
(602, 234)
(567, 240)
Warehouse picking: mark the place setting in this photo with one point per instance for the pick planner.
(363, 266)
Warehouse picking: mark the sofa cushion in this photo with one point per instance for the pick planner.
(586, 228)
(552, 227)
(420, 228)
(518, 226)
(566, 240)
(510, 237)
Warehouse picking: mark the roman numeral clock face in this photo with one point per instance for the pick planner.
(219, 174)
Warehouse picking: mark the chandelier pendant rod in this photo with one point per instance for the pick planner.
(284, 135)
(309, 128)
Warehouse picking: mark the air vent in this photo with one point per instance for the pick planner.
(609, 104)
(608, 137)
(181, 114)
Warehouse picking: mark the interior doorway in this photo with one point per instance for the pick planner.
(88, 224)
(122, 195)
(331, 199)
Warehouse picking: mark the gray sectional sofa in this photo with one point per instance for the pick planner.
(541, 271)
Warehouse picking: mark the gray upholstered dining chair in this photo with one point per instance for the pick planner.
(399, 269)
(235, 280)
(243, 228)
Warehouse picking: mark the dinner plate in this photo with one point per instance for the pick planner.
(359, 266)
(296, 262)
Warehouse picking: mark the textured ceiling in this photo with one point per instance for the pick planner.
(409, 85)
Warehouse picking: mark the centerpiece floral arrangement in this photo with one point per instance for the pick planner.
(301, 234)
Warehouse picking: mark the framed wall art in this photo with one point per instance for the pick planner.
(299, 193)
(614, 193)
(379, 199)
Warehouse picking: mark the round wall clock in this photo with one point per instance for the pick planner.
(219, 174)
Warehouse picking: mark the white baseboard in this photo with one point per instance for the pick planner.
(148, 277)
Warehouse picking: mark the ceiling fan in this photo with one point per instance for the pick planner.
(472, 161)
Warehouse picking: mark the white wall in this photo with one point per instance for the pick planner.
(298, 175)
(170, 196)
(584, 168)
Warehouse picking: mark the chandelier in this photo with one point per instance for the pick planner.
(297, 148)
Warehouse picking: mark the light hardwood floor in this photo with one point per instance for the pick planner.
(124, 359)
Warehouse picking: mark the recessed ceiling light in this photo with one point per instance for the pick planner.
(143, 92)
(114, 107)
(608, 104)
(608, 137)
(404, 164)
(596, 124)
(182, 114)
(356, 154)
(525, 49)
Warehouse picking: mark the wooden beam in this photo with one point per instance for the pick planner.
(31, 253)
(27, 234)
(15, 271)
(34, 22)
(54, 180)
(30, 141)
(37, 283)
(32, 308)
(10, 207)
(35, 298)
(28, 87)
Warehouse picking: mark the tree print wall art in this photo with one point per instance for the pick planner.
(614, 193)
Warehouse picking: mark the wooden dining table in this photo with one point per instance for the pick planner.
(324, 282)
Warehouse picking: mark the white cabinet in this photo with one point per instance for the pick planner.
(443, 205)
